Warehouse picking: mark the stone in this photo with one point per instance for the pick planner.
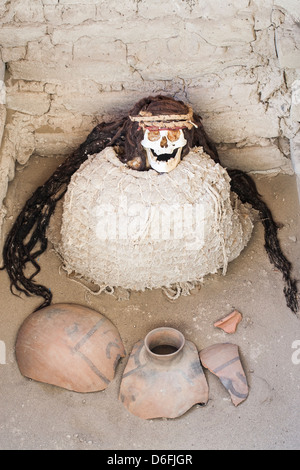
(290, 6)
(287, 44)
(83, 12)
(223, 33)
(7, 171)
(295, 111)
(76, 2)
(13, 54)
(62, 73)
(53, 14)
(237, 124)
(262, 10)
(255, 158)
(93, 102)
(10, 36)
(86, 49)
(2, 121)
(2, 71)
(46, 53)
(60, 134)
(29, 11)
(29, 102)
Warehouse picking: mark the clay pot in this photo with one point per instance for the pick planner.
(223, 360)
(70, 346)
(163, 376)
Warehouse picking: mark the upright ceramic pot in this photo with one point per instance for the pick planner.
(163, 376)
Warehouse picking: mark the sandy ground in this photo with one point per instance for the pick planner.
(41, 416)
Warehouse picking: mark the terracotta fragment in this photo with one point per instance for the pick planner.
(163, 376)
(223, 360)
(230, 322)
(70, 346)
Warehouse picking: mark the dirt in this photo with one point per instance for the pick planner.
(41, 416)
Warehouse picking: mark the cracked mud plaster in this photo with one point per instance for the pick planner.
(72, 64)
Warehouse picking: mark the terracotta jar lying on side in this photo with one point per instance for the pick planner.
(163, 376)
(70, 346)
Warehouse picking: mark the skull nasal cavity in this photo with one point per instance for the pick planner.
(164, 142)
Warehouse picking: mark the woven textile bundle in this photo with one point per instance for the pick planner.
(138, 230)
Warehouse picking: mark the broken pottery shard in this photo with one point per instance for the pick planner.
(223, 360)
(230, 322)
(69, 346)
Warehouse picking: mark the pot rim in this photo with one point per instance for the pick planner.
(164, 336)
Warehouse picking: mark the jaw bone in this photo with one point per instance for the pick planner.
(162, 166)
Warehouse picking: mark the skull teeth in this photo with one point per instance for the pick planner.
(168, 160)
(163, 166)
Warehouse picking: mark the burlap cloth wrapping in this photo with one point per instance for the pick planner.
(118, 227)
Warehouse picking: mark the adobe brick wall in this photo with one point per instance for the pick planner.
(72, 63)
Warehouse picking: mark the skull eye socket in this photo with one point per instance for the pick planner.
(153, 135)
(173, 135)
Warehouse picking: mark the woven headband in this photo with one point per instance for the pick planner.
(164, 121)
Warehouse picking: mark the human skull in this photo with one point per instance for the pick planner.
(163, 148)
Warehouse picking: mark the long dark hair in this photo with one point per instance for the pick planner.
(27, 239)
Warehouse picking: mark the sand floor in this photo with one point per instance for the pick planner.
(40, 416)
